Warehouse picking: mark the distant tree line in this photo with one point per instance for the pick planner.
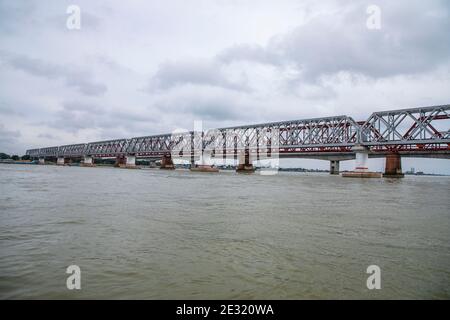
(14, 157)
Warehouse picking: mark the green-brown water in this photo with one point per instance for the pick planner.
(155, 234)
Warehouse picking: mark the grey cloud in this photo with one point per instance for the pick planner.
(78, 115)
(194, 72)
(75, 116)
(89, 21)
(46, 136)
(79, 79)
(211, 110)
(15, 14)
(204, 111)
(9, 111)
(134, 116)
(8, 138)
(214, 104)
(413, 39)
(249, 52)
(72, 121)
(109, 63)
(74, 106)
(404, 45)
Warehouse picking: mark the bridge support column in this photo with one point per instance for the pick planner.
(130, 162)
(245, 163)
(41, 160)
(203, 166)
(334, 167)
(166, 162)
(121, 162)
(361, 168)
(88, 161)
(61, 161)
(393, 168)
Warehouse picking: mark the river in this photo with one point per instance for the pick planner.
(155, 234)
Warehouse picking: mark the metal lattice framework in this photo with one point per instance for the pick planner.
(34, 153)
(420, 128)
(110, 148)
(48, 152)
(426, 128)
(160, 144)
(73, 150)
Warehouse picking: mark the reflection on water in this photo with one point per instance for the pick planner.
(155, 234)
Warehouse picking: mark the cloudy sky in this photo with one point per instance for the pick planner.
(147, 67)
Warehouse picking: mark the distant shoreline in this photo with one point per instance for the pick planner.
(10, 161)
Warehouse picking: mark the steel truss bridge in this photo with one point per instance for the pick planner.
(416, 132)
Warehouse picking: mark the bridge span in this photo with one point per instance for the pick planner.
(415, 132)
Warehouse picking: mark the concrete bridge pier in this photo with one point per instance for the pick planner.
(121, 162)
(361, 168)
(393, 168)
(41, 160)
(361, 157)
(334, 167)
(203, 165)
(61, 161)
(245, 163)
(130, 161)
(167, 162)
(88, 161)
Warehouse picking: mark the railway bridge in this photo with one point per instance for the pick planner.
(414, 132)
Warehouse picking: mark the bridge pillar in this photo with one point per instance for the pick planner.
(166, 162)
(393, 168)
(61, 161)
(334, 167)
(361, 158)
(130, 161)
(245, 163)
(361, 168)
(41, 160)
(203, 166)
(121, 162)
(88, 161)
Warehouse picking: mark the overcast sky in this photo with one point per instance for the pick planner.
(147, 67)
